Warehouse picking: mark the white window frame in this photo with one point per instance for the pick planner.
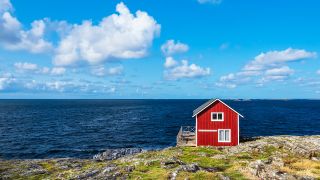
(224, 139)
(217, 116)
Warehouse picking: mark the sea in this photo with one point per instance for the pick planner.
(82, 128)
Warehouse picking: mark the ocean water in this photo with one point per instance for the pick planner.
(82, 128)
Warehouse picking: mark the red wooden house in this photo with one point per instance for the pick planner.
(217, 124)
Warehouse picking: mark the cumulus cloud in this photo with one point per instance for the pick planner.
(232, 80)
(170, 62)
(5, 5)
(210, 1)
(276, 74)
(282, 71)
(115, 70)
(102, 71)
(184, 70)
(58, 70)
(274, 58)
(25, 67)
(14, 37)
(118, 36)
(171, 47)
(269, 66)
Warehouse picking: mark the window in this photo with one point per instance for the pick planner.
(224, 135)
(217, 116)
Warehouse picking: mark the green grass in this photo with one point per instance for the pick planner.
(234, 175)
(197, 176)
(203, 157)
(151, 171)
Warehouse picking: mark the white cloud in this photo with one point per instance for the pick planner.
(266, 67)
(275, 74)
(115, 70)
(171, 47)
(232, 80)
(101, 71)
(6, 80)
(318, 72)
(58, 71)
(118, 36)
(274, 58)
(170, 62)
(227, 85)
(67, 86)
(9, 83)
(5, 5)
(282, 71)
(210, 1)
(44, 70)
(184, 70)
(25, 66)
(60, 86)
(98, 71)
(14, 37)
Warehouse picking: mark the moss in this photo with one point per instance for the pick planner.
(38, 176)
(234, 175)
(67, 174)
(150, 171)
(207, 151)
(147, 155)
(163, 154)
(192, 155)
(145, 168)
(242, 156)
(5, 165)
(89, 164)
(265, 153)
(197, 175)
(49, 165)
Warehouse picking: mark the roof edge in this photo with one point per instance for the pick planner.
(222, 103)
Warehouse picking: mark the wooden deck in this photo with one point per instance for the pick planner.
(186, 136)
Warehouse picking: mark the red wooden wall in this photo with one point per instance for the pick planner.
(204, 123)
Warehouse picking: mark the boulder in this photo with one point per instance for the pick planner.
(112, 154)
(190, 167)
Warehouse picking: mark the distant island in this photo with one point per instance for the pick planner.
(273, 157)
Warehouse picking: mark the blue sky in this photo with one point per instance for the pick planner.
(159, 49)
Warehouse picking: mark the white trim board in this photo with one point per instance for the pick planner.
(196, 130)
(217, 116)
(238, 131)
(207, 130)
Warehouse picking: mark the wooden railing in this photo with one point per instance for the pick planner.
(188, 130)
(186, 136)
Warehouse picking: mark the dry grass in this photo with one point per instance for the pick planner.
(303, 167)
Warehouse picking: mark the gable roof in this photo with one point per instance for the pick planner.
(208, 103)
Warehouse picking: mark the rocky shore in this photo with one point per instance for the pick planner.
(274, 157)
